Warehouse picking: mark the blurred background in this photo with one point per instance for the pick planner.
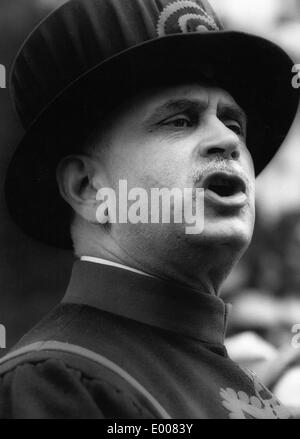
(265, 287)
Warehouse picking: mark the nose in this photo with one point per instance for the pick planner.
(221, 142)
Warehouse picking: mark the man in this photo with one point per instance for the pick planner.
(154, 93)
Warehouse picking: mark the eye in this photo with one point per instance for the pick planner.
(235, 126)
(179, 122)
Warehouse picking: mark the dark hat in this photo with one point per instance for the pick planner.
(88, 55)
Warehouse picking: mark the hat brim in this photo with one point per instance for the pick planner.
(255, 71)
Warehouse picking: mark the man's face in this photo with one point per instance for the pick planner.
(189, 136)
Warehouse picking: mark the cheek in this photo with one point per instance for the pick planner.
(164, 172)
(153, 166)
(248, 163)
(249, 169)
(148, 160)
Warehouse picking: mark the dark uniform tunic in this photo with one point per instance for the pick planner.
(166, 339)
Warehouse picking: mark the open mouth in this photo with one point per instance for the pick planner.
(225, 186)
(226, 191)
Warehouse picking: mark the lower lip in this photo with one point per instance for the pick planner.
(237, 201)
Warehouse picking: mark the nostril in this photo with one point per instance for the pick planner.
(216, 151)
(230, 152)
(235, 155)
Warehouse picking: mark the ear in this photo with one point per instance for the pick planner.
(79, 180)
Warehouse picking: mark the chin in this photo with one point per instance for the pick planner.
(234, 233)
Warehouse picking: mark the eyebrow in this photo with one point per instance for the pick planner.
(173, 106)
(231, 110)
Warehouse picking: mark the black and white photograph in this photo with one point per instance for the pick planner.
(150, 212)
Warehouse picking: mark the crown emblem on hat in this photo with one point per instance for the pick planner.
(184, 16)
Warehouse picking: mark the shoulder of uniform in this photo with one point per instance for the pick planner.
(62, 369)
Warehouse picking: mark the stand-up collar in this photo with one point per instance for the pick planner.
(149, 300)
